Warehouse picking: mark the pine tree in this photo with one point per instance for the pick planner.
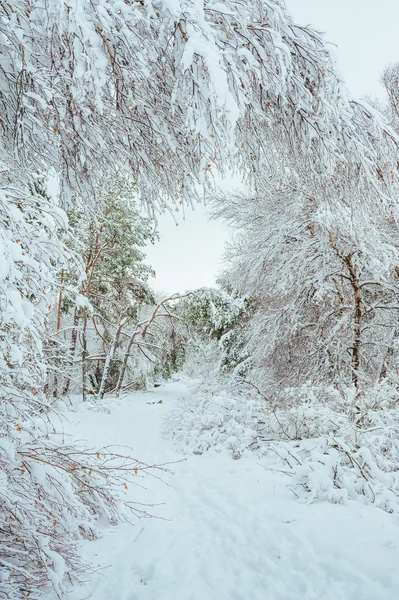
(114, 286)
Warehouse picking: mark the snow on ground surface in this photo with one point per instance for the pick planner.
(230, 529)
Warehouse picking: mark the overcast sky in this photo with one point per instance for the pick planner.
(366, 35)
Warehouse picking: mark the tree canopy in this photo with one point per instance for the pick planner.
(170, 91)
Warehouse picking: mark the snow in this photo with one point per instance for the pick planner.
(228, 529)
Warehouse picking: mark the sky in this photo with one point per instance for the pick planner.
(365, 33)
(188, 255)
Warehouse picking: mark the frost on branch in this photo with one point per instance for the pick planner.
(51, 495)
(167, 92)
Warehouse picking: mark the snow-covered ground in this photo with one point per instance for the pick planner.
(229, 529)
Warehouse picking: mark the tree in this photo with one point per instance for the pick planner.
(321, 268)
(165, 94)
(114, 287)
(390, 81)
(217, 317)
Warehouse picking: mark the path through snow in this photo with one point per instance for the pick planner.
(231, 530)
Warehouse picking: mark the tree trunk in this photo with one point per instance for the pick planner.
(390, 350)
(60, 295)
(124, 365)
(110, 356)
(84, 356)
(388, 356)
(72, 350)
(357, 329)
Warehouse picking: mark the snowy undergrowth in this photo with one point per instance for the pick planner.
(328, 451)
(55, 492)
(217, 417)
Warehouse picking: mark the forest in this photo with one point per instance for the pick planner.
(113, 112)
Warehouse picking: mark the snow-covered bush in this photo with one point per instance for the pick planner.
(358, 466)
(210, 420)
(356, 459)
(52, 493)
(220, 414)
(330, 452)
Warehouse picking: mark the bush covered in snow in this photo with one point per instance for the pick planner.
(52, 494)
(329, 450)
(363, 465)
(218, 416)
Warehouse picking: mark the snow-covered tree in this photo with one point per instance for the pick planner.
(390, 81)
(171, 91)
(215, 317)
(323, 273)
(114, 286)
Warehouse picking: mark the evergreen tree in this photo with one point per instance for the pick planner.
(114, 286)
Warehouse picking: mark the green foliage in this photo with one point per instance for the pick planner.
(111, 243)
(213, 311)
(39, 188)
(220, 316)
(173, 361)
(114, 280)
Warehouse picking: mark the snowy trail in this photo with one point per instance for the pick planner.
(231, 530)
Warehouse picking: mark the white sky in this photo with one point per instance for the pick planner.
(366, 33)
